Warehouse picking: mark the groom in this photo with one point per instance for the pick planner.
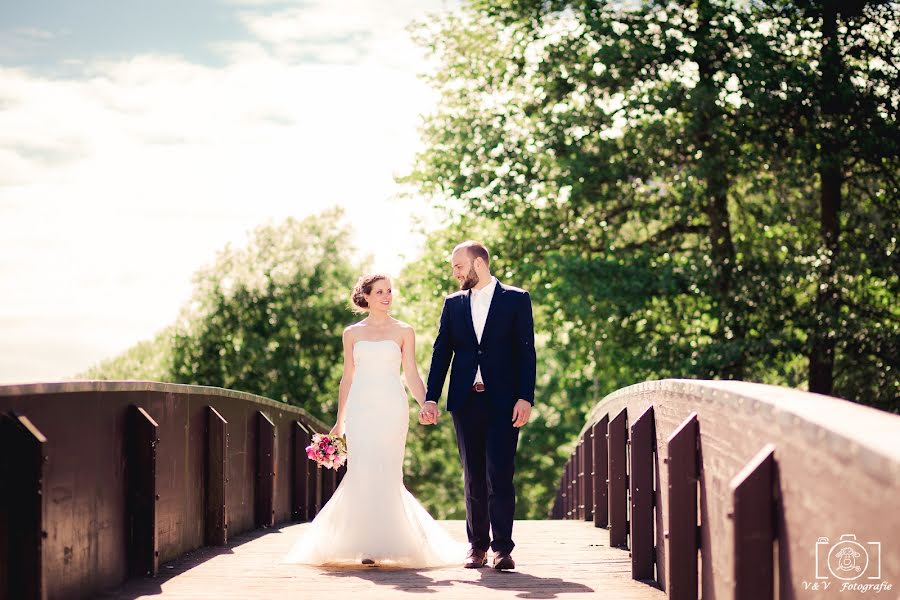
(488, 332)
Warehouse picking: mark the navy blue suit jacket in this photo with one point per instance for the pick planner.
(506, 352)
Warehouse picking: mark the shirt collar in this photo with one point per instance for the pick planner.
(486, 290)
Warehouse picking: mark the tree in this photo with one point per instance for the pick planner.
(630, 169)
(826, 92)
(433, 468)
(267, 318)
(148, 360)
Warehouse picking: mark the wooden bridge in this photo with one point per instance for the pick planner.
(675, 488)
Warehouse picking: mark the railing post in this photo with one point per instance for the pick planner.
(643, 444)
(618, 484)
(601, 472)
(216, 476)
(588, 479)
(312, 486)
(579, 478)
(561, 495)
(573, 483)
(299, 477)
(327, 484)
(556, 510)
(318, 489)
(754, 527)
(683, 535)
(140, 476)
(340, 475)
(22, 448)
(265, 470)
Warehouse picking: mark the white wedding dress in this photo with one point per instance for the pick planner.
(371, 513)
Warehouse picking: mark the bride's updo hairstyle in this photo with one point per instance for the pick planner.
(362, 288)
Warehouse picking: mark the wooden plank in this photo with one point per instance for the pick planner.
(589, 475)
(643, 448)
(562, 560)
(140, 475)
(754, 527)
(683, 541)
(216, 531)
(601, 472)
(22, 452)
(265, 470)
(570, 488)
(618, 480)
(299, 477)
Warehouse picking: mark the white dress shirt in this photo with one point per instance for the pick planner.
(481, 303)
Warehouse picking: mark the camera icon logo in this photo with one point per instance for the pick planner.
(847, 559)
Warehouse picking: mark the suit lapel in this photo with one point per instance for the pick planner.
(496, 301)
(467, 318)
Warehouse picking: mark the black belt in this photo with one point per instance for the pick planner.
(478, 387)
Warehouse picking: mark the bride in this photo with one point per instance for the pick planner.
(371, 517)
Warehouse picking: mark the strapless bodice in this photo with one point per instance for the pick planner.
(376, 358)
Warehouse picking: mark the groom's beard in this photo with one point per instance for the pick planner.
(470, 281)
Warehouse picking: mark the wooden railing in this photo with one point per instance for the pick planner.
(725, 489)
(104, 480)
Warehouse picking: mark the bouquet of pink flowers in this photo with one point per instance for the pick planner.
(329, 451)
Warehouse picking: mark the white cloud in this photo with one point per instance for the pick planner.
(34, 32)
(116, 186)
(356, 31)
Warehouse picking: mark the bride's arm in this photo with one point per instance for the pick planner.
(346, 380)
(410, 369)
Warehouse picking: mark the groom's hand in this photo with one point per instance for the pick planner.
(521, 413)
(429, 414)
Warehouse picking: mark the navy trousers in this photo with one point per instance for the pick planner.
(487, 444)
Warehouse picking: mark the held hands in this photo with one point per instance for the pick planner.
(521, 413)
(429, 414)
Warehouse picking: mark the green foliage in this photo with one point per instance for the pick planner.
(267, 318)
(432, 468)
(653, 173)
(148, 360)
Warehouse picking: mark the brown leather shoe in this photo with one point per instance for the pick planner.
(475, 558)
(504, 562)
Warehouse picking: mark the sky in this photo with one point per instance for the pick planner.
(138, 138)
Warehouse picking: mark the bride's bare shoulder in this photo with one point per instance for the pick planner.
(352, 330)
(404, 328)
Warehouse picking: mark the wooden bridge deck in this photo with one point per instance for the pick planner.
(554, 559)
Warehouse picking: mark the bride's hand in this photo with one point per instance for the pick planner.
(429, 413)
(337, 430)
